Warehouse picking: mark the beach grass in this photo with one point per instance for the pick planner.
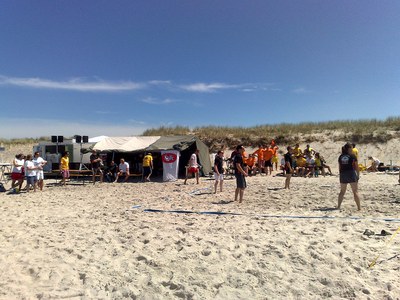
(357, 131)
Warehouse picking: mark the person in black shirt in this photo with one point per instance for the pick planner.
(218, 171)
(111, 172)
(349, 173)
(240, 173)
(288, 167)
(96, 162)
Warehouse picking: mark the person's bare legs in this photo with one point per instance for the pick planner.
(21, 181)
(236, 193)
(287, 181)
(197, 177)
(220, 185)
(241, 192)
(329, 169)
(343, 187)
(187, 175)
(215, 186)
(116, 179)
(354, 188)
(41, 184)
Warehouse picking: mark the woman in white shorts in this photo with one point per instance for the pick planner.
(39, 162)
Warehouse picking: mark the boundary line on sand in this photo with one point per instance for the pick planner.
(394, 220)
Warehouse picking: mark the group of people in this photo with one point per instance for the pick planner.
(294, 162)
(30, 168)
(349, 172)
(112, 172)
(307, 163)
(27, 168)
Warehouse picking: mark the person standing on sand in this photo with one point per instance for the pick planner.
(96, 162)
(17, 173)
(268, 154)
(219, 171)
(39, 162)
(275, 158)
(147, 166)
(240, 173)
(30, 173)
(64, 167)
(349, 173)
(288, 167)
(193, 167)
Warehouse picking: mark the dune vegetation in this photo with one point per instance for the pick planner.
(358, 131)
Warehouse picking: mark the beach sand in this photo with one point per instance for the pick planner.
(98, 242)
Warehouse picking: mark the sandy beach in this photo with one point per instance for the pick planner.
(98, 242)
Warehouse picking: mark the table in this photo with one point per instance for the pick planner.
(78, 174)
(5, 168)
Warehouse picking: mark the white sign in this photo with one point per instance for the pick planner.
(170, 161)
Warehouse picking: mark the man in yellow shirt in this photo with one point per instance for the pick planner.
(275, 158)
(297, 151)
(301, 165)
(147, 166)
(64, 167)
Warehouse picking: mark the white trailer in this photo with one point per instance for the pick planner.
(52, 152)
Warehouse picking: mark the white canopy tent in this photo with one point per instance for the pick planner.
(125, 144)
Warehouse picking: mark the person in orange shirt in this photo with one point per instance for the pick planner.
(268, 159)
(245, 157)
(260, 155)
(251, 164)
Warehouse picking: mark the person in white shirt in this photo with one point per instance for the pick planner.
(374, 164)
(30, 173)
(17, 173)
(193, 167)
(39, 163)
(123, 170)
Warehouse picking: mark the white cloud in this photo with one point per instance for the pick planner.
(34, 128)
(76, 84)
(208, 87)
(101, 112)
(301, 90)
(248, 90)
(154, 101)
(160, 82)
(133, 121)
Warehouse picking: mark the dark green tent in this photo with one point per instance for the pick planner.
(186, 145)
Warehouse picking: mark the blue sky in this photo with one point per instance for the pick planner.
(120, 67)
